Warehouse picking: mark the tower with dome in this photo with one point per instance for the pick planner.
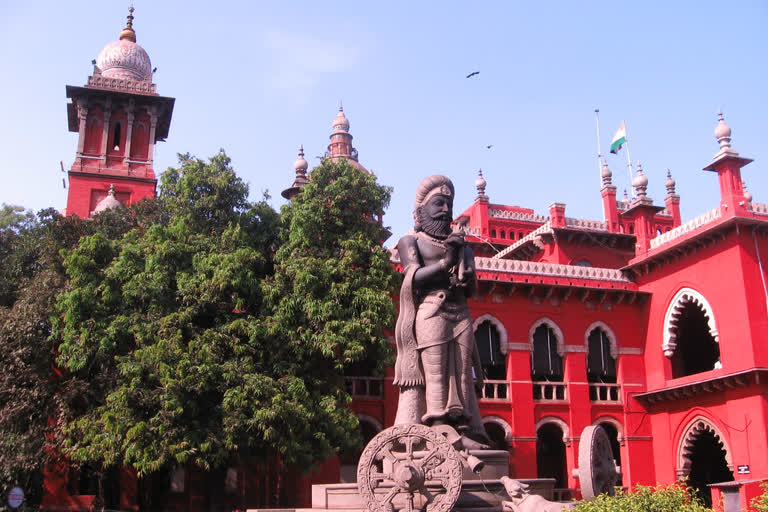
(118, 117)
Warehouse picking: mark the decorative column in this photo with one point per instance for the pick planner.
(82, 115)
(608, 192)
(105, 133)
(672, 201)
(129, 115)
(727, 164)
(152, 128)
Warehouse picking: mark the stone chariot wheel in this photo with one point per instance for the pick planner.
(597, 470)
(409, 468)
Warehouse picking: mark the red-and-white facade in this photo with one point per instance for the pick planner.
(654, 328)
(118, 117)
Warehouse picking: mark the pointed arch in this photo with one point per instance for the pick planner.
(608, 332)
(672, 317)
(503, 338)
(502, 423)
(560, 423)
(555, 329)
(691, 433)
(616, 424)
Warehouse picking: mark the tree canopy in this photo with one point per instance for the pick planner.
(224, 328)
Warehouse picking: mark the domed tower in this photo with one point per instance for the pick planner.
(341, 142)
(119, 117)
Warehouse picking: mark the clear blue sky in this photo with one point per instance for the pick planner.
(259, 78)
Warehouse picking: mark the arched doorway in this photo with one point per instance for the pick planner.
(550, 454)
(613, 435)
(499, 432)
(704, 458)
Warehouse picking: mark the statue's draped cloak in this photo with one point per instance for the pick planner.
(408, 371)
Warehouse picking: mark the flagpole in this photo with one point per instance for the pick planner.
(599, 153)
(629, 160)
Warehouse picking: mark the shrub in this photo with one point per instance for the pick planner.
(672, 498)
(760, 504)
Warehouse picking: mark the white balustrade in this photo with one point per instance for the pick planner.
(604, 393)
(689, 226)
(550, 392)
(365, 387)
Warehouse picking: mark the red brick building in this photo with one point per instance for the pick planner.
(653, 328)
(118, 117)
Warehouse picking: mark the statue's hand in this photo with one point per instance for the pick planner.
(454, 246)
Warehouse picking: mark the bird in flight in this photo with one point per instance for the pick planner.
(489, 146)
(473, 74)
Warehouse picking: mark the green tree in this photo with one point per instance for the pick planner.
(32, 394)
(330, 302)
(164, 326)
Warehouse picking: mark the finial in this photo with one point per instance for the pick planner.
(128, 32)
(626, 196)
(301, 165)
(112, 186)
(341, 106)
(606, 173)
(747, 194)
(640, 182)
(670, 183)
(480, 184)
(723, 132)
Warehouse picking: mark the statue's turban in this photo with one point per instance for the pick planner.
(435, 184)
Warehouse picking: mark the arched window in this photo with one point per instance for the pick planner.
(503, 234)
(601, 365)
(546, 362)
(690, 335)
(489, 347)
(493, 233)
(116, 135)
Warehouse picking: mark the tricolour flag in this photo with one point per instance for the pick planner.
(619, 139)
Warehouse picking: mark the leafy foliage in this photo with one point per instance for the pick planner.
(330, 301)
(672, 498)
(760, 504)
(33, 397)
(163, 322)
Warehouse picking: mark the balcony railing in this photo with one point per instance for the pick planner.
(549, 392)
(495, 390)
(604, 393)
(365, 387)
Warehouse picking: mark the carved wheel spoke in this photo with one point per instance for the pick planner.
(413, 468)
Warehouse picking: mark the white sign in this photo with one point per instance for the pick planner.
(743, 470)
(15, 497)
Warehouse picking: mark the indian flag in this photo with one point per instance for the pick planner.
(619, 139)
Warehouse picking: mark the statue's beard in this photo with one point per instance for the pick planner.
(438, 228)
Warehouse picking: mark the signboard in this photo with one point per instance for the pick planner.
(743, 469)
(15, 497)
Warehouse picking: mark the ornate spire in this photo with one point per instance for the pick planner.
(640, 183)
(723, 134)
(480, 184)
(300, 164)
(606, 173)
(670, 184)
(128, 32)
(747, 194)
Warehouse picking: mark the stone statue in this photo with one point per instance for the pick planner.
(437, 364)
(523, 501)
